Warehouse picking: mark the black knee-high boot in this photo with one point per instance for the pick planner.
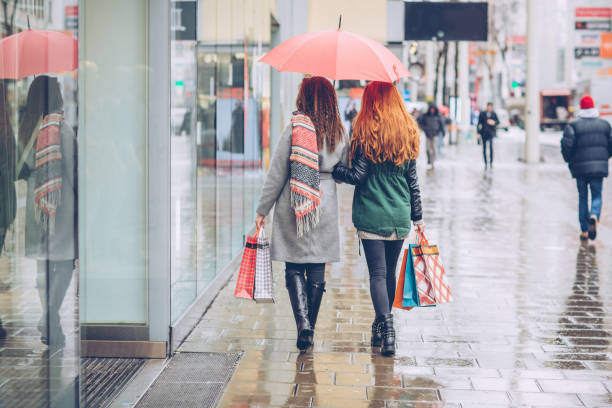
(315, 296)
(296, 286)
(388, 336)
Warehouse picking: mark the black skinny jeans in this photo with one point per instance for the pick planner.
(313, 272)
(382, 257)
(489, 141)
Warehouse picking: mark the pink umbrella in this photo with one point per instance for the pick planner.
(335, 55)
(35, 52)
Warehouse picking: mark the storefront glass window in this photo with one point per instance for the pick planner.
(218, 191)
(39, 324)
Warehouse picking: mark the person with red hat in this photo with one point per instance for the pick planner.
(586, 147)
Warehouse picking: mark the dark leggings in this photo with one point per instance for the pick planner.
(313, 272)
(489, 141)
(382, 257)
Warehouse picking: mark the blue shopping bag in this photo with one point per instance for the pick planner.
(411, 293)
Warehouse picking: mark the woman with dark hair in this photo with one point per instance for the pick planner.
(48, 163)
(299, 185)
(384, 148)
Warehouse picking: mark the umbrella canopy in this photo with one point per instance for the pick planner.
(35, 52)
(336, 54)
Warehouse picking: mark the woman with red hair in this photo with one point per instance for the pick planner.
(384, 147)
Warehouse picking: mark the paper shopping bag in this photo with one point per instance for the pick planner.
(434, 274)
(410, 296)
(264, 282)
(399, 289)
(423, 282)
(246, 275)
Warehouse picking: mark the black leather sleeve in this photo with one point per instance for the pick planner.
(356, 174)
(415, 193)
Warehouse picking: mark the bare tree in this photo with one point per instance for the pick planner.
(444, 76)
(442, 54)
(9, 18)
(502, 23)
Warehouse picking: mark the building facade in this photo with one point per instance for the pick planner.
(165, 131)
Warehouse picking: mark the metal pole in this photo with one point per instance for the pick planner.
(532, 136)
(430, 71)
(464, 87)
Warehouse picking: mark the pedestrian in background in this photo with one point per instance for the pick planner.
(384, 148)
(487, 126)
(432, 124)
(586, 147)
(349, 115)
(305, 231)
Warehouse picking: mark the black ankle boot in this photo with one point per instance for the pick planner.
(377, 332)
(296, 286)
(315, 295)
(388, 336)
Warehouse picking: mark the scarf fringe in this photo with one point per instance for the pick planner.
(46, 216)
(309, 217)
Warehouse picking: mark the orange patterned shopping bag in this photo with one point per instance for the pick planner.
(401, 281)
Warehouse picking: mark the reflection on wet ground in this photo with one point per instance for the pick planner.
(530, 324)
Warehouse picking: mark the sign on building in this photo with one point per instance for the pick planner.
(445, 21)
(183, 20)
(592, 40)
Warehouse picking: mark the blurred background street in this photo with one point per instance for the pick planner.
(529, 325)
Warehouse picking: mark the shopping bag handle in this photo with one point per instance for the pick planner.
(421, 239)
(256, 234)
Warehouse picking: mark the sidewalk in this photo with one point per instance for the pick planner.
(529, 325)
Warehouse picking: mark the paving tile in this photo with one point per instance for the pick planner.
(395, 393)
(573, 386)
(354, 379)
(546, 399)
(489, 397)
(596, 400)
(334, 402)
(333, 391)
(505, 384)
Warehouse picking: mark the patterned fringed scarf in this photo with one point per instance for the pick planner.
(48, 171)
(304, 177)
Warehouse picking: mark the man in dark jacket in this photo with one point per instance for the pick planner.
(487, 123)
(587, 146)
(432, 124)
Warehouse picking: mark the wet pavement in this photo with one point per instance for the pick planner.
(530, 324)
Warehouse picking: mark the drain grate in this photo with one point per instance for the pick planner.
(191, 380)
(104, 378)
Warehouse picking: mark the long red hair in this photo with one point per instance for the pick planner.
(383, 129)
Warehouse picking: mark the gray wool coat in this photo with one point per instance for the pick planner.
(322, 243)
(62, 244)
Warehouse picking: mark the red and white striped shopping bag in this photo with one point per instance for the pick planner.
(430, 275)
(246, 275)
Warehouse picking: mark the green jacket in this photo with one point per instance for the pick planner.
(387, 197)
